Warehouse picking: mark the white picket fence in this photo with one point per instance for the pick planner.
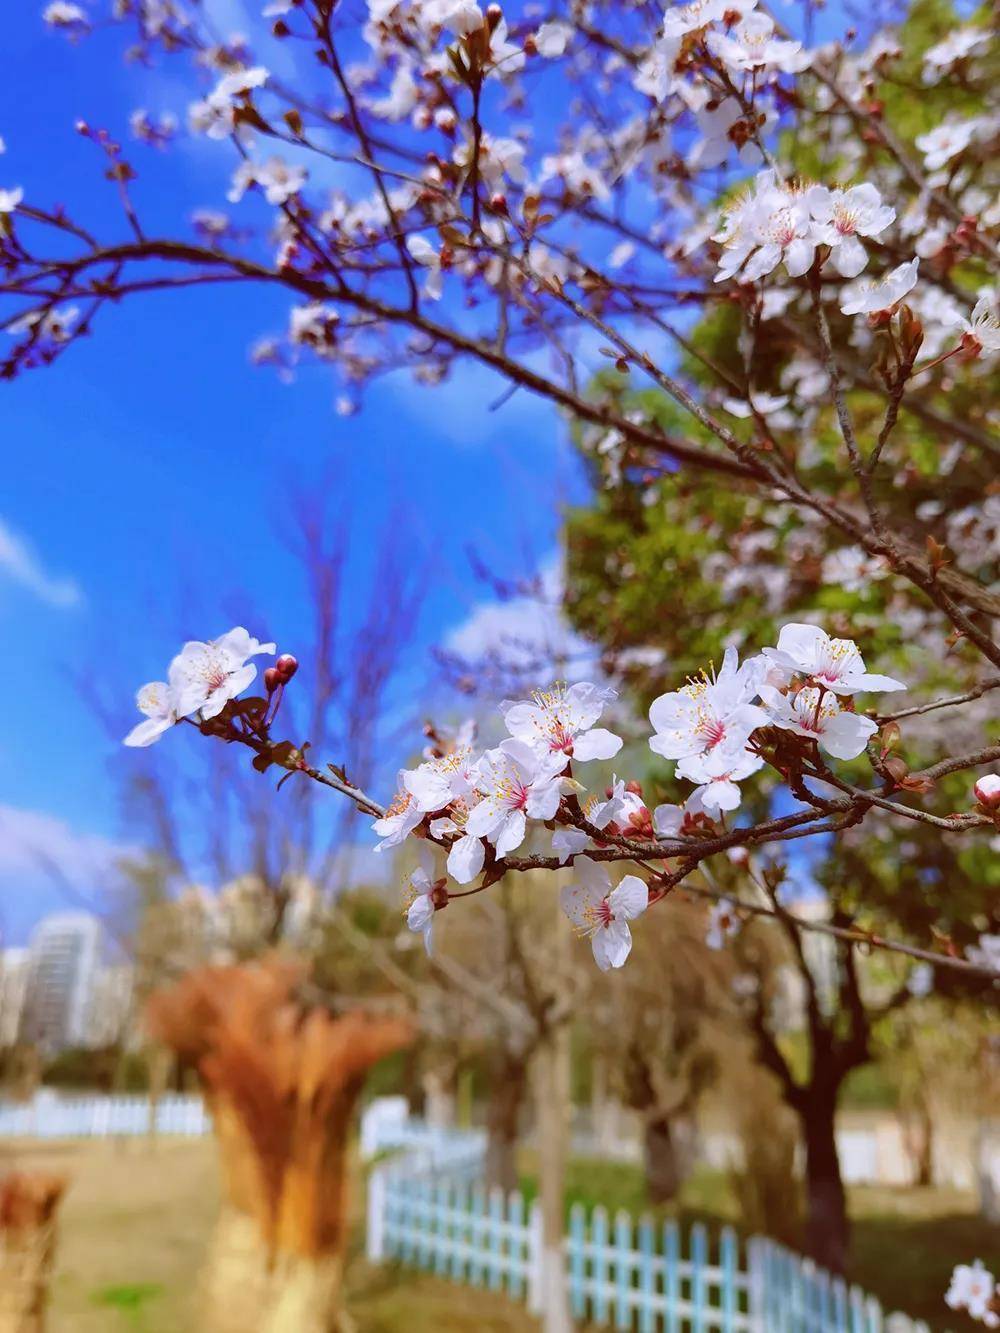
(49, 1116)
(620, 1274)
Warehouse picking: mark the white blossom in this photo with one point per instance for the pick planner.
(50, 326)
(427, 257)
(156, 700)
(603, 913)
(752, 45)
(956, 46)
(279, 180)
(399, 821)
(420, 888)
(835, 664)
(983, 326)
(709, 711)
(9, 199)
(566, 842)
(560, 721)
(552, 38)
(821, 717)
(769, 226)
(215, 115)
(205, 676)
(157, 132)
(972, 1288)
(515, 781)
(986, 953)
(437, 782)
(677, 821)
(681, 19)
(312, 325)
(61, 14)
(869, 298)
(843, 216)
(945, 141)
(718, 774)
(655, 75)
(723, 924)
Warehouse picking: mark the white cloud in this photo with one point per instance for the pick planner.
(20, 564)
(470, 407)
(33, 842)
(524, 631)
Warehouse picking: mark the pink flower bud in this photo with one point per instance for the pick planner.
(272, 679)
(286, 667)
(987, 790)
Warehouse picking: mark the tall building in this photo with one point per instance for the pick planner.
(109, 1020)
(13, 988)
(63, 966)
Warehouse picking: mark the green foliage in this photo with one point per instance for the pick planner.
(666, 568)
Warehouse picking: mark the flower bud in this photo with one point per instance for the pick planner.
(890, 736)
(272, 679)
(634, 787)
(286, 666)
(987, 789)
(493, 16)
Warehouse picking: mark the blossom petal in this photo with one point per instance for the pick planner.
(580, 899)
(511, 832)
(420, 912)
(484, 818)
(566, 842)
(612, 945)
(846, 735)
(598, 743)
(147, 731)
(543, 800)
(465, 859)
(667, 820)
(630, 899)
(428, 786)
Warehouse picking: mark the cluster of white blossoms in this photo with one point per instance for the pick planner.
(201, 680)
(804, 686)
(737, 37)
(774, 223)
(478, 806)
(974, 1289)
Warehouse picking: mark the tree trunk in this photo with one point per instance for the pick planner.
(28, 1204)
(248, 1288)
(659, 1151)
(508, 1085)
(552, 1113)
(827, 1227)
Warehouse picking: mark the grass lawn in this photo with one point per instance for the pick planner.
(136, 1219)
(905, 1242)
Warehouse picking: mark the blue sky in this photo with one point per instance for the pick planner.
(147, 474)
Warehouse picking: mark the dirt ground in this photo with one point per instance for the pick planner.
(133, 1229)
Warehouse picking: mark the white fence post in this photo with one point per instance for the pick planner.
(418, 1212)
(375, 1230)
(757, 1288)
(536, 1260)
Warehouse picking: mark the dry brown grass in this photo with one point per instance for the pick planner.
(133, 1228)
